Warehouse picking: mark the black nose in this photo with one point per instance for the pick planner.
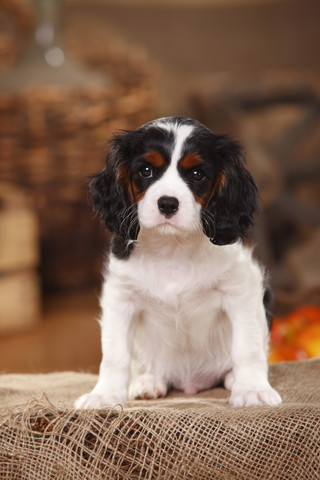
(168, 206)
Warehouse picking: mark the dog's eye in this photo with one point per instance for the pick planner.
(197, 175)
(146, 172)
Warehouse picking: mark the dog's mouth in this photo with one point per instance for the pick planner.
(173, 228)
(168, 226)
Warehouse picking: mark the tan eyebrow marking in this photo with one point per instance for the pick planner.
(154, 158)
(191, 160)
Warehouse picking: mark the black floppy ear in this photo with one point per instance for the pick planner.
(110, 193)
(235, 196)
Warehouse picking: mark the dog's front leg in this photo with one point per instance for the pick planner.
(249, 377)
(112, 386)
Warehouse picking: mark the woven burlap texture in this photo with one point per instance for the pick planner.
(179, 437)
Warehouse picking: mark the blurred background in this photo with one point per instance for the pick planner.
(74, 72)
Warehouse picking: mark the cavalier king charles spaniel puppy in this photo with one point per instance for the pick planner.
(184, 304)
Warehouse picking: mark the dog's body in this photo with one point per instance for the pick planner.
(183, 302)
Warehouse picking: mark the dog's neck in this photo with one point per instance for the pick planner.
(164, 243)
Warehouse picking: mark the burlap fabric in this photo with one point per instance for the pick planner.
(179, 437)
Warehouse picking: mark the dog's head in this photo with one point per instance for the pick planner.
(175, 175)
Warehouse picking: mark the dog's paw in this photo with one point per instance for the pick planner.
(265, 396)
(95, 400)
(147, 387)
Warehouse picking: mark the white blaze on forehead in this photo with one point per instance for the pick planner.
(181, 133)
(171, 183)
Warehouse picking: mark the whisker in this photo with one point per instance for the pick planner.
(126, 215)
(134, 223)
(130, 216)
(209, 220)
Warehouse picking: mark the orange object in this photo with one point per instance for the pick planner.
(296, 336)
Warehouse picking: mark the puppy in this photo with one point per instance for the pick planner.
(184, 305)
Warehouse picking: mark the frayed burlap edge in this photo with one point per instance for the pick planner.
(179, 437)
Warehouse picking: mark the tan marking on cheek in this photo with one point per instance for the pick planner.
(123, 174)
(202, 200)
(191, 160)
(129, 183)
(136, 195)
(217, 187)
(134, 190)
(125, 180)
(154, 158)
(220, 183)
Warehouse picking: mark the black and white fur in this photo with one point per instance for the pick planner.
(183, 301)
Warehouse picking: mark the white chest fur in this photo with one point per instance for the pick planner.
(177, 291)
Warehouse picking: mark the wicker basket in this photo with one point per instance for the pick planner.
(52, 138)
